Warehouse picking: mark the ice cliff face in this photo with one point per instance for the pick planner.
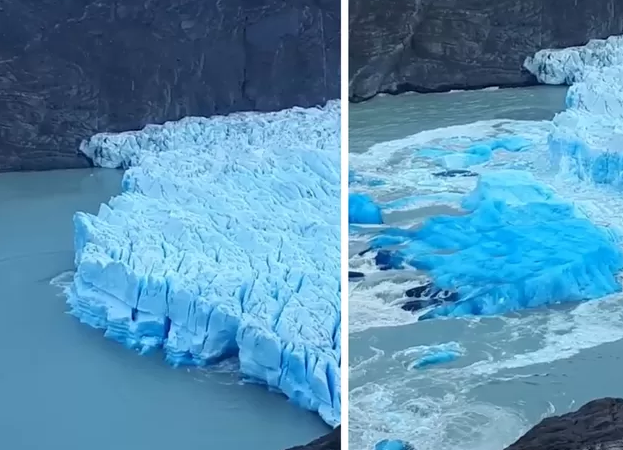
(587, 138)
(437, 45)
(74, 68)
(225, 242)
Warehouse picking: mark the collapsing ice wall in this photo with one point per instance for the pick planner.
(225, 242)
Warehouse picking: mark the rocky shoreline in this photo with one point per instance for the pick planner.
(330, 441)
(598, 425)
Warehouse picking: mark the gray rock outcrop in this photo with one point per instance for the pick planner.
(330, 441)
(73, 68)
(438, 45)
(598, 425)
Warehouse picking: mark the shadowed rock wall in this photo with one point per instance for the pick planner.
(72, 68)
(438, 45)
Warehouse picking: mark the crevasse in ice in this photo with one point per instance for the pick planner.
(225, 242)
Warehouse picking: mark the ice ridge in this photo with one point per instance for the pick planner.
(225, 242)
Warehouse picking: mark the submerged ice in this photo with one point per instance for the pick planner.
(225, 242)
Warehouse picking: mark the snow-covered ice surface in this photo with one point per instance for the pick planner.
(473, 228)
(572, 64)
(225, 242)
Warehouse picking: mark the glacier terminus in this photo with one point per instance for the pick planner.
(224, 243)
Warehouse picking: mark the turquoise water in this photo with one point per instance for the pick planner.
(512, 370)
(63, 385)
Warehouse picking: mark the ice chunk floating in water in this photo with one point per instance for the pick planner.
(519, 247)
(363, 210)
(437, 354)
(225, 242)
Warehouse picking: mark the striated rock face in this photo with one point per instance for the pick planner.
(438, 45)
(598, 425)
(72, 68)
(331, 441)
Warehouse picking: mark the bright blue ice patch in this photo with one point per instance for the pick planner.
(226, 242)
(393, 444)
(363, 210)
(438, 357)
(519, 246)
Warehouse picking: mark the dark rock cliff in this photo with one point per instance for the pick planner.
(330, 441)
(598, 425)
(438, 45)
(72, 68)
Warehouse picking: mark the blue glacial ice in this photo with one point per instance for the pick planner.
(392, 444)
(587, 138)
(225, 242)
(438, 354)
(363, 210)
(518, 246)
(570, 65)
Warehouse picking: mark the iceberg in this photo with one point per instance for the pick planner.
(225, 242)
(519, 246)
(439, 354)
(363, 210)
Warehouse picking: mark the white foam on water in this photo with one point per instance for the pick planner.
(63, 281)
(565, 335)
(385, 410)
(371, 308)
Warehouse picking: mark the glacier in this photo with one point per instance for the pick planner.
(225, 242)
(570, 65)
(587, 138)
